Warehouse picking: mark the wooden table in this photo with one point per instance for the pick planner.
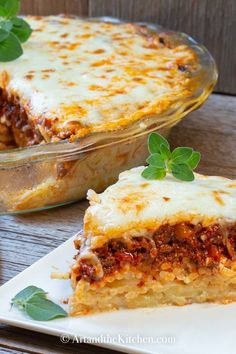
(26, 238)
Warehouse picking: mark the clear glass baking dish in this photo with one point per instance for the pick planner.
(49, 175)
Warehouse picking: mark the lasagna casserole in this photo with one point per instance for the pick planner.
(148, 243)
(78, 77)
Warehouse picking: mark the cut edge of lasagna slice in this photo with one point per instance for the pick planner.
(150, 243)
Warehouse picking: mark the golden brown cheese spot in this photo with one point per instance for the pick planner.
(139, 79)
(231, 185)
(144, 185)
(96, 88)
(99, 51)
(71, 83)
(63, 56)
(64, 22)
(102, 62)
(64, 35)
(45, 76)
(87, 35)
(48, 70)
(29, 76)
(53, 43)
(223, 192)
(133, 201)
(74, 110)
(86, 27)
(218, 198)
(73, 46)
(166, 199)
(66, 45)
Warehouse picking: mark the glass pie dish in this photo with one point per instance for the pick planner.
(56, 173)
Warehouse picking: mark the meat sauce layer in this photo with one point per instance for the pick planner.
(200, 246)
(16, 118)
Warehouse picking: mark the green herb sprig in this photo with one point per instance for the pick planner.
(13, 30)
(180, 162)
(33, 301)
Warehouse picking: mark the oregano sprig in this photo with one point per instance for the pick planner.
(34, 302)
(13, 30)
(180, 162)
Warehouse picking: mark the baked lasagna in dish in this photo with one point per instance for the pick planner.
(148, 243)
(78, 77)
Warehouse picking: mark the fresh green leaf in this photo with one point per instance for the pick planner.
(152, 172)
(194, 160)
(156, 160)
(21, 29)
(10, 48)
(154, 142)
(3, 11)
(179, 162)
(6, 25)
(26, 294)
(17, 28)
(181, 154)
(182, 172)
(165, 152)
(42, 309)
(11, 7)
(3, 34)
(33, 301)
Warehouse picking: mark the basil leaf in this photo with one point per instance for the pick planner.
(154, 142)
(165, 152)
(156, 160)
(42, 309)
(3, 34)
(6, 25)
(182, 172)
(152, 172)
(181, 154)
(194, 160)
(26, 294)
(10, 48)
(21, 29)
(11, 7)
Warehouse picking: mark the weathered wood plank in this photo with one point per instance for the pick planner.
(14, 340)
(212, 131)
(45, 7)
(26, 238)
(212, 23)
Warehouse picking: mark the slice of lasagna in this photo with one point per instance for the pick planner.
(148, 243)
(78, 77)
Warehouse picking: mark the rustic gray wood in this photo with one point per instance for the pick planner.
(53, 7)
(211, 22)
(26, 238)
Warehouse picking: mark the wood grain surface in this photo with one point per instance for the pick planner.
(54, 7)
(210, 22)
(26, 238)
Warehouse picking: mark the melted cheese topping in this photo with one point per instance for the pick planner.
(135, 206)
(77, 77)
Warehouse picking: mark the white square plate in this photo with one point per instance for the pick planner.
(191, 329)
